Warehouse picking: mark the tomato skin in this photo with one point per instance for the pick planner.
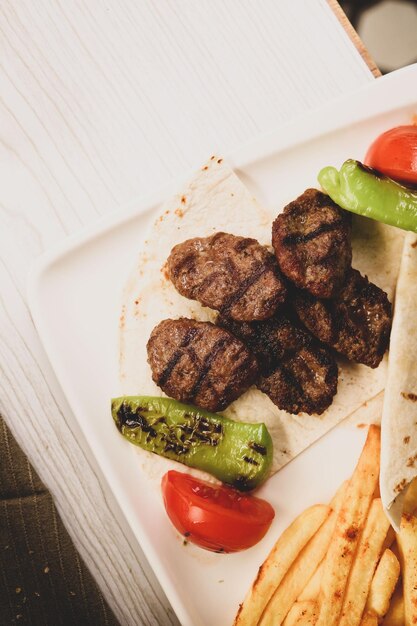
(219, 519)
(394, 153)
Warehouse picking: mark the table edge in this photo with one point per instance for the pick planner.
(354, 37)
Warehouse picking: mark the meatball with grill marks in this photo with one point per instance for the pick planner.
(356, 324)
(200, 363)
(311, 240)
(298, 374)
(270, 341)
(234, 275)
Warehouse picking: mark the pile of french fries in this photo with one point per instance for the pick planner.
(341, 564)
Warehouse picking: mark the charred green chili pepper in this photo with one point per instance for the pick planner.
(236, 453)
(365, 191)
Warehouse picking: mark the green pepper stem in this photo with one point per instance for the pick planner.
(364, 191)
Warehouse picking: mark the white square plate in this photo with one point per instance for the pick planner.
(74, 296)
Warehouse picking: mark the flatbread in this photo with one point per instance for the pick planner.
(399, 416)
(216, 200)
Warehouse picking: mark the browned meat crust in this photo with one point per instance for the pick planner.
(270, 341)
(357, 323)
(200, 363)
(303, 383)
(298, 374)
(234, 275)
(311, 239)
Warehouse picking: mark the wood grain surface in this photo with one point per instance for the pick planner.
(354, 37)
(100, 103)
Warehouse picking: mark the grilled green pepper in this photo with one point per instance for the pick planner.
(236, 453)
(365, 191)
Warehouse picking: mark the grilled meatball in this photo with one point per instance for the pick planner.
(200, 363)
(306, 382)
(234, 275)
(357, 323)
(298, 374)
(311, 239)
(270, 341)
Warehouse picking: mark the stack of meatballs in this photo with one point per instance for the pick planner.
(282, 317)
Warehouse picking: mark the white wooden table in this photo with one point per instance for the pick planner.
(102, 101)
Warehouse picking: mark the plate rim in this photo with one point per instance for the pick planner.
(358, 106)
(338, 114)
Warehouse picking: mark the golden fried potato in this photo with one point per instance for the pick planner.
(363, 567)
(302, 614)
(349, 525)
(410, 500)
(407, 544)
(389, 539)
(383, 584)
(279, 561)
(395, 615)
(369, 620)
(298, 575)
(302, 569)
(312, 590)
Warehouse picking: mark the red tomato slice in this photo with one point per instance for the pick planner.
(216, 518)
(394, 153)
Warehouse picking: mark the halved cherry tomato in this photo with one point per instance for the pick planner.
(220, 519)
(394, 153)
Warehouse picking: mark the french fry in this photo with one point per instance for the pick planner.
(389, 539)
(338, 498)
(298, 575)
(410, 499)
(279, 561)
(383, 584)
(312, 590)
(395, 549)
(302, 569)
(367, 556)
(407, 544)
(350, 521)
(302, 614)
(369, 620)
(395, 615)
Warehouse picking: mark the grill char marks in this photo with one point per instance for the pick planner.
(297, 373)
(234, 275)
(305, 382)
(270, 341)
(220, 346)
(166, 373)
(356, 324)
(296, 238)
(311, 240)
(232, 303)
(199, 363)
